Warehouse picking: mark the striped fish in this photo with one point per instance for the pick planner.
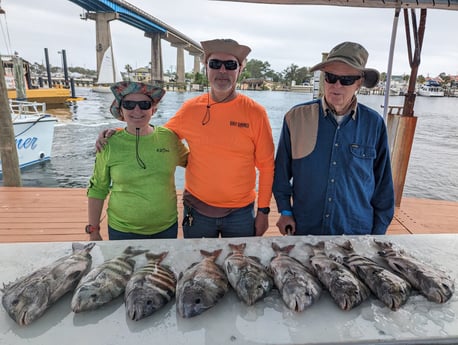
(344, 286)
(150, 288)
(201, 286)
(246, 274)
(29, 297)
(436, 285)
(388, 287)
(299, 289)
(105, 282)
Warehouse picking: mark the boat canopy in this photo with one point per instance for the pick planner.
(438, 4)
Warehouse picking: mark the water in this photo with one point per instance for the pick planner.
(433, 166)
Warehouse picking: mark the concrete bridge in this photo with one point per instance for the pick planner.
(104, 11)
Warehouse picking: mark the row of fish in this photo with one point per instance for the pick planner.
(348, 277)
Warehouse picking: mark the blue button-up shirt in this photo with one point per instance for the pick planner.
(335, 178)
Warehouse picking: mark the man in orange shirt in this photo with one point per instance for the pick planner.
(229, 137)
(230, 140)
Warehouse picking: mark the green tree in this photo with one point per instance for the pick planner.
(302, 75)
(257, 68)
(290, 73)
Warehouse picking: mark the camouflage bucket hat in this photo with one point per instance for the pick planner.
(123, 88)
(354, 55)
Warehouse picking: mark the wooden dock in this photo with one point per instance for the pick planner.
(60, 214)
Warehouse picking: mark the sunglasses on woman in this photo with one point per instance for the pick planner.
(230, 65)
(143, 105)
(345, 80)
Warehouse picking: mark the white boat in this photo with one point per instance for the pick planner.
(431, 88)
(108, 73)
(33, 132)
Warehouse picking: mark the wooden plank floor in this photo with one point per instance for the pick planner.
(60, 214)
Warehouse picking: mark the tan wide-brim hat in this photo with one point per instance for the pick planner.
(123, 88)
(354, 55)
(225, 45)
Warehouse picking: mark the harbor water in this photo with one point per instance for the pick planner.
(433, 166)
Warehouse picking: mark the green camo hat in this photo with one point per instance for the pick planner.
(354, 55)
(123, 88)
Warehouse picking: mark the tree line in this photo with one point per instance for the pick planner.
(254, 69)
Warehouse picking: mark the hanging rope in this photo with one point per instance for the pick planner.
(5, 31)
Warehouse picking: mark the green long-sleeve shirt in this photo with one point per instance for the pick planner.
(142, 201)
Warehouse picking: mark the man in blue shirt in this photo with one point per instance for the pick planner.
(332, 167)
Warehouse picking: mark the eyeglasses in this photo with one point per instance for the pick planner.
(143, 105)
(230, 65)
(345, 80)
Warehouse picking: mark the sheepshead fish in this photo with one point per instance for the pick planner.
(105, 282)
(150, 288)
(388, 287)
(434, 284)
(345, 288)
(247, 276)
(201, 285)
(299, 289)
(26, 299)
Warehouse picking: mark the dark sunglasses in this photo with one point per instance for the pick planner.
(345, 80)
(143, 105)
(230, 65)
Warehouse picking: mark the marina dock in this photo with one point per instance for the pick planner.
(33, 214)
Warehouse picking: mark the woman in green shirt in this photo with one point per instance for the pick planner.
(137, 169)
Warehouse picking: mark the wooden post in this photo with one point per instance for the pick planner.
(8, 151)
(401, 130)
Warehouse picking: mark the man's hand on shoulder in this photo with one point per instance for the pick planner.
(102, 138)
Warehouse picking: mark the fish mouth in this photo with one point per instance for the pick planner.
(23, 319)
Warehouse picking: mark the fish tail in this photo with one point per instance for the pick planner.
(286, 250)
(131, 251)
(213, 254)
(156, 257)
(237, 247)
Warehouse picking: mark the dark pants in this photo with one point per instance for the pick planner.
(239, 223)
(171, 232)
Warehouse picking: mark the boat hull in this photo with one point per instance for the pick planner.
(431, 90)
(33, 139)
(101, 89)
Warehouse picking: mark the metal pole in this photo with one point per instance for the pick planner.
(390, 62)
(48, 69)
(64, 61)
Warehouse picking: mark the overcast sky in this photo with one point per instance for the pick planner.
(279, 34)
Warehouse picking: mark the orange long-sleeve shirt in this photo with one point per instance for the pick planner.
(227, 145)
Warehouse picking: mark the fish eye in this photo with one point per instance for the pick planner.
(15, 302)
(197, 301)
(94, 297)
(149, 302)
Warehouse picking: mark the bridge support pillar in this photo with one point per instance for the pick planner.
(180, 62)
(102, 33)
(157, 71)
(196, 68)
